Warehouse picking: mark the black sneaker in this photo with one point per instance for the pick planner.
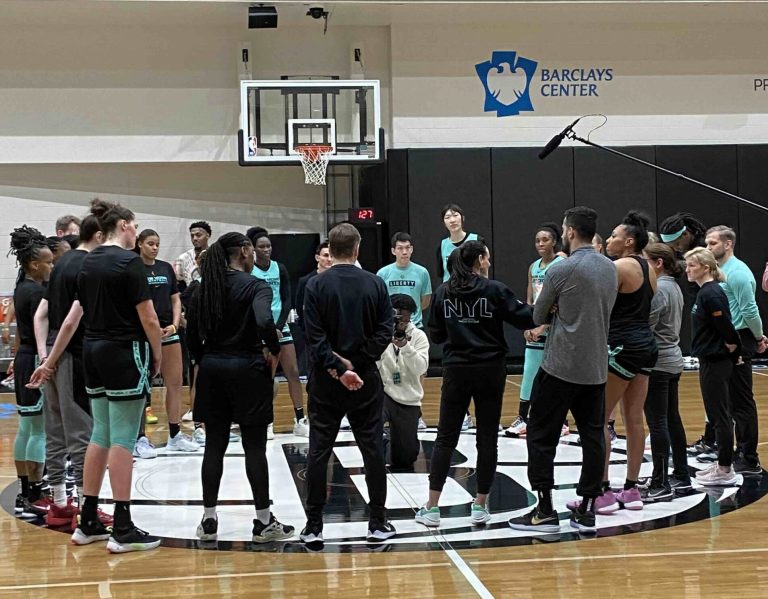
(30, 510)
(133, 539)
(90, 532)
(741, 466)
(313, 532)
(701, 446)
(208, 529)
(680, 486)
(656, 494)
(19, 505)
(274, 531)
(536, 521)
(583, 521)
(380, 530)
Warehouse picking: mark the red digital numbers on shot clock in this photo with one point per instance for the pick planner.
(361, 215)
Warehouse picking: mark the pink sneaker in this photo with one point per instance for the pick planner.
(606, 504)
(630, 499)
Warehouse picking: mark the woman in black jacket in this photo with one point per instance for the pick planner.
(468, 315)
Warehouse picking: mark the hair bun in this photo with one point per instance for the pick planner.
(637, 219)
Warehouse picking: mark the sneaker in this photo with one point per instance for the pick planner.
(606, 504)
(106, 519)
(61, 515)
(583, 521)
(657, 494)
(680, 486)
(517, 429)
(274, 531)
(149, 417)
(313, 532)
(422, 425)
(301, 428)
(708, 457)
(181, 442)
(208, 529)
(467, 424)
(144, 449)
(710, 468)
(612, 433)
(565, 431)
(90, 532)
(428, 516)
(536, 521)
(19, 505)
(700, 446)
(345, 426)
(742, 467)
(133, 539)
(630, 499)
(717, 478)
(199, 436)
(270, 432)
(31, 510)
(235, 438)
(187, 417)
(380, 530)
(479, 514)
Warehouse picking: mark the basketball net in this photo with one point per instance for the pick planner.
(314, 159)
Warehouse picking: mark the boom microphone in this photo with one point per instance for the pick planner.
(556, 140)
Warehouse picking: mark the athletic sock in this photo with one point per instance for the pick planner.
(263, 516)
(587, 505)
(60, 494)
(35, 490)
(24, 482)
(123, 515)
(629, 484)
(174, 429)
(209, 512)
(525, 407)
(545, 501)
(88, 511)
(299, 413)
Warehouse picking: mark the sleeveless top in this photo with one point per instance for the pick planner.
(537, 281)
(631, 313)
(446, 249)
(271, 277)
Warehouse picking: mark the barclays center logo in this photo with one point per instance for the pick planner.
(507, 82)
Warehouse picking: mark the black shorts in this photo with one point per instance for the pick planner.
(116, 370)
(28, 401)
(234, 389)
(627, 362)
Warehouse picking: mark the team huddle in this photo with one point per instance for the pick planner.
(601, 320)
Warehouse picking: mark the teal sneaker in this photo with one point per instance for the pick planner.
(428, 517)
(480, 514)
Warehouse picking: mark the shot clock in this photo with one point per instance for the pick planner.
(361, 215)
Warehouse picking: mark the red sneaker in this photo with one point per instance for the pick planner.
(105, 518)
(62, 516)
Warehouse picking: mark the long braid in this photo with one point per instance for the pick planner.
(26, 243)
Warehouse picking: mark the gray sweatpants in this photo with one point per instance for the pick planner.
(67, 425)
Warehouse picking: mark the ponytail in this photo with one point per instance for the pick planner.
(461, 262)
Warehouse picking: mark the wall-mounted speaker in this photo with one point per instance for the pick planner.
(262, 17)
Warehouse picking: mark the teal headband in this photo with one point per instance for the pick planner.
(673, 236)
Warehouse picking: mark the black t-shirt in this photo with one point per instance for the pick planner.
(162, 285)
(26, 299)
(712, 326)
(112, 281)
(61, 293)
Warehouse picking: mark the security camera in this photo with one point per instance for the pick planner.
(317, 12)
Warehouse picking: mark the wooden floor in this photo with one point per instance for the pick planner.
(720, 558)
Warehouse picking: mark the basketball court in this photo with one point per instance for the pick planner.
(379, 113)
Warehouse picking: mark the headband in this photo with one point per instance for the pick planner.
(666, 238)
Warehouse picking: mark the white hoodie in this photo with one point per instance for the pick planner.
(407, 365)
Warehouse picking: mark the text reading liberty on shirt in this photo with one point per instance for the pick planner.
(507, 81)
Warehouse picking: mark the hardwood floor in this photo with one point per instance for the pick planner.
(718, 557)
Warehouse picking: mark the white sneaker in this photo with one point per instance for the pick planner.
(187, 417)
(270, 432)
(480, 514)
(199, 436)
(422, 425)
(517, 429)
(234, 437)
(301, 428)
(345, 426)
(144, 449)
(717, 478)
(428, 517)
(181, 442)
(467, 424)
(565, 431)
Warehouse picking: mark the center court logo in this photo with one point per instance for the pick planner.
(507, 82)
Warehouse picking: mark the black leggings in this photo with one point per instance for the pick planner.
(665, 426)
(254, 438)
(714, 379)
(484, 384)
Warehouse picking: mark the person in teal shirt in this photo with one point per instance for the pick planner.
(453, 219)
(407, 277)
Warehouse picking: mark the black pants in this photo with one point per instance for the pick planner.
(254, 438)
(403, 432)
(328, 401)
(551, 398)
(714, 379)
(484, 384)
(665, 426)
(743, 408)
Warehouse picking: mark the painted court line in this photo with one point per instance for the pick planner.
(513, 383)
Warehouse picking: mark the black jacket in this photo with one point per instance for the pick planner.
(712, 326)
(471, 324)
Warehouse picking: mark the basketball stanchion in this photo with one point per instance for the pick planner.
(314, 159)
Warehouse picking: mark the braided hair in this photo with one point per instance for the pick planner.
(464, 259)
(213, 286)
(26, 245)
(688, 222)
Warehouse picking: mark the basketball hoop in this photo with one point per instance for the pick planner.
(314, 159)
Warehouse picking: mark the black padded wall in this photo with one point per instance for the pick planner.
(397, 217)
(612, 185)
(296, 251)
